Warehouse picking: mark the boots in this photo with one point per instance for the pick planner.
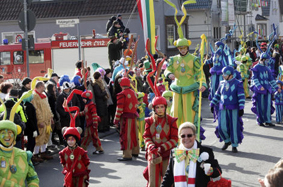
(45, 156)
(35, 158)
(225, 146)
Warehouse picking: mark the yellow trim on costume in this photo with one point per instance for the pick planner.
(34, 184)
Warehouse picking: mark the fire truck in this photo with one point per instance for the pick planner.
(59, 55)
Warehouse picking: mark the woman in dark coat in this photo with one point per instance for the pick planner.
(51, 94)
(101, 97)
(201, 167)
(65, 116)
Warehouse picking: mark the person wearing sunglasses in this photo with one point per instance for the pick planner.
(190, 164)
(230, 98)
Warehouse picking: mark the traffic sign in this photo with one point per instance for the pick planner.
(31, 20)
(67, 22)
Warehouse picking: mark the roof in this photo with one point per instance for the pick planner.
(259, 17)
(201, 4)
(266, 9)
(10, 9)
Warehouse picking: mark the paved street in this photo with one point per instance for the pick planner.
(260, 150)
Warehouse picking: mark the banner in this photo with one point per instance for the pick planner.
(146, 13)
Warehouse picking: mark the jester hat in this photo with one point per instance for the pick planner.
(72, 130)
(182, 41)
(158, 99)
(9, 124)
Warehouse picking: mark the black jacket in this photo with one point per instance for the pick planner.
(201, 178)
(100, 100)
(65, 116)
(31, 124)
(52, 104)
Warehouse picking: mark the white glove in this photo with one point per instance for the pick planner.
(25, 138)
(34, 134)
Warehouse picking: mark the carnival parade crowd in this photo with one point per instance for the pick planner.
(153, 103)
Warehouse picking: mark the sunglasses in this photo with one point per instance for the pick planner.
(188, 135)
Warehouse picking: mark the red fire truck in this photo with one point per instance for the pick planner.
(60, 56)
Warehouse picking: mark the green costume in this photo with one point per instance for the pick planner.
(187, 72)
(16, 166)
(243, 68)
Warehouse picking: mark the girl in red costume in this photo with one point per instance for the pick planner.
(73, 158)
(161, 134)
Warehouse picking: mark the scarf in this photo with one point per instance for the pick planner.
(185, 165)
(41, 95)
(100, 84)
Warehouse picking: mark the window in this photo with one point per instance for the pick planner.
(36, 57)
(217, 33)
(262, 28)
(171, 36)
(18, 57)
(5, 58)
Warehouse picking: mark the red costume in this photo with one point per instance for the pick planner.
(74, 159)
(80, 173)
(167, 138)
(126, 115)
(161, 133)
(91, 126)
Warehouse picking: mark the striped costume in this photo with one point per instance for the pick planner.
(230, 98)
(262, 103)
(90, 132)
(159, 132)
(245, 77)
(126, 115)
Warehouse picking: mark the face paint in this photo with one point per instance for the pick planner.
(160, 110)
(7, 137)
(71, 141)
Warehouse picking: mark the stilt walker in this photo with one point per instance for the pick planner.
(185, 69)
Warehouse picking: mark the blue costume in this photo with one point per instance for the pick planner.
(262, 103)
(279, 103)
(230, 98)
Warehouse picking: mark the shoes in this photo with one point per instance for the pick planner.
(262, 125)
(135, 155)
(270, 124)
(36, 159)
(225, 146)
(124, 159)
(45, 156)
(234, 150)
(98, 152)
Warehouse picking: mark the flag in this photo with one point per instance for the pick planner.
(146, 13)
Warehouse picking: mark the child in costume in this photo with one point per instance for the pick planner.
(140, 119)
(244, 74)
(168, 95)
(126, 116)
(279, 102)
(73, 158)
(92, 120)
(16, 167)
(161, 134)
